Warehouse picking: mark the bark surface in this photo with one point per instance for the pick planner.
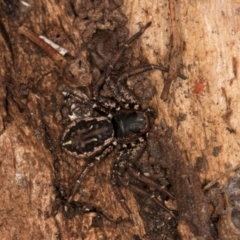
(200, 158)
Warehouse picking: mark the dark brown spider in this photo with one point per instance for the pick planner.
(120, 121)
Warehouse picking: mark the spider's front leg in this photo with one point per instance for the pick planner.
(120, 90)
(76, 98)
(116, 58)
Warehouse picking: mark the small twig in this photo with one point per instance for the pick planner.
(52, 53)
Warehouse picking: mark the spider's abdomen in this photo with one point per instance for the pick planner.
(128, 125)
(87, 136)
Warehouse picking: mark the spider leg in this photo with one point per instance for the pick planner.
(125, 162)
(90, 165)
(125, 45)
(145, 68)
(142, 178)
(120, 90)
(105, 102)
(116, 57)
(77, 94)
(83, 98)
(123, 94)
(100, 103)
(116, 189)
(134, 155)
(118, 171)
(140, 191)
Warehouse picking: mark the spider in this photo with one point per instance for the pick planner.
(120, 121)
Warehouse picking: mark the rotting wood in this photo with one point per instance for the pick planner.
(209, 32)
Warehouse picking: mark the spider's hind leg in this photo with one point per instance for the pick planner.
(125, 163)
(90, 165)
(119, 169)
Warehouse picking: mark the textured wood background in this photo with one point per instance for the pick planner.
(205, 125)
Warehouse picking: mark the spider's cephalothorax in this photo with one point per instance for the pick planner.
(129, 125)
(119, 121)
